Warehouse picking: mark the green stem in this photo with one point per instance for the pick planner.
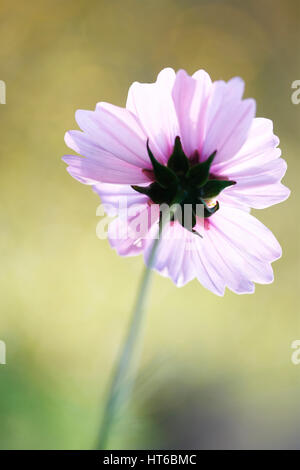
(121, 383)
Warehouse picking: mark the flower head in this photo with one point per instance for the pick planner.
(186, 140)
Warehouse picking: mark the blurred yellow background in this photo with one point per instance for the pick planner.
(216, 372)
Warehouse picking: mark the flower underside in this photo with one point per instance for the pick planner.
(184, 182)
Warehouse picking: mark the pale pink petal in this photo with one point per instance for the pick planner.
(262, 196)
(187, 272)
(126, 236)
(106, 169)
(152, 104)
(226, 270)
(238, 250)
(254, 269)
(190, 96)
(247, 233)
(173, 259)
(204, 266)
(256, 168)
(265, 173)
(228, 120)
(258, 186)
(117, 131)
(123, 246)
(226, 198)
(181, 257)
(260, 147)
(115, 197)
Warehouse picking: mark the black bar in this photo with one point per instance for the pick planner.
(137, 458)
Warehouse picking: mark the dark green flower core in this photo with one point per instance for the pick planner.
(183, 181)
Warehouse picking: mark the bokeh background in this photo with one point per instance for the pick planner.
(216, 372)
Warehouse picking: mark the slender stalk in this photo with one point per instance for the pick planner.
(121, 383)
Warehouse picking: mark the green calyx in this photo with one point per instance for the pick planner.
(181, 182)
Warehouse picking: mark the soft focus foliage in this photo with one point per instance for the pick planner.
(216, 371)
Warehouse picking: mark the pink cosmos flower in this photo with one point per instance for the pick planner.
(205, 138)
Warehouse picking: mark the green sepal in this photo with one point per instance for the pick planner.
(178, 161)
(213, 187)
(143, 189)
(164, 176)
(199, 173)
(157, 193)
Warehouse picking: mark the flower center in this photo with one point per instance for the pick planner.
(184, 182)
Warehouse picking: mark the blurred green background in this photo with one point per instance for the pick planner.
(216, 372)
